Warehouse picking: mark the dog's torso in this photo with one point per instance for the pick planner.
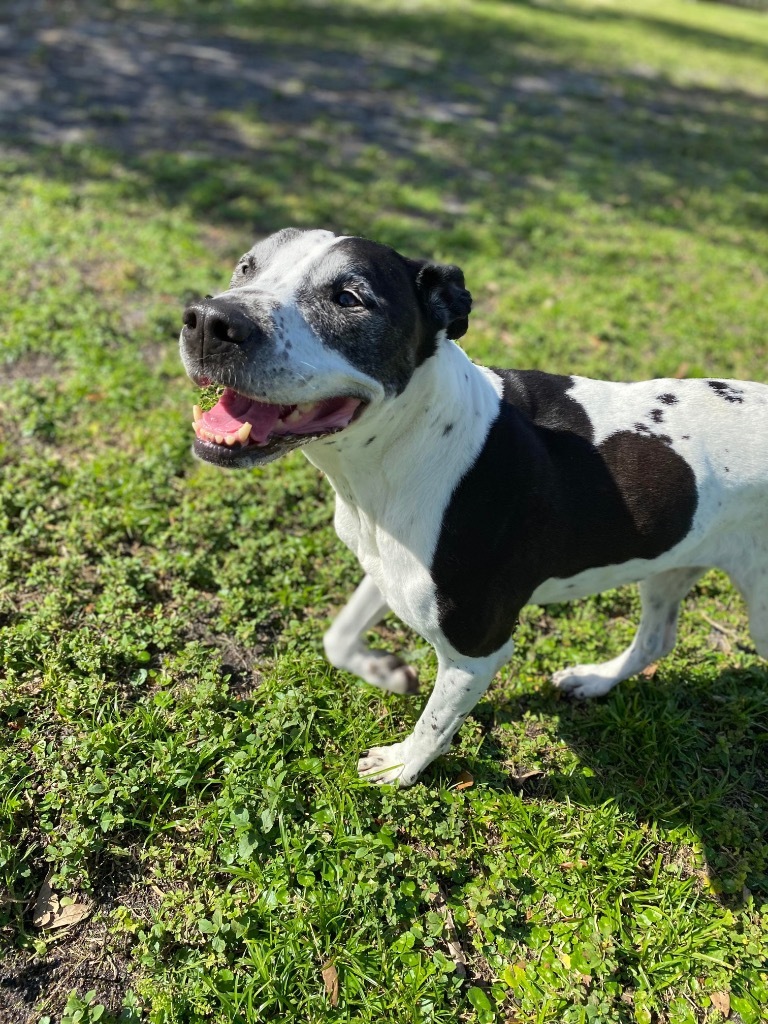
(501, 487)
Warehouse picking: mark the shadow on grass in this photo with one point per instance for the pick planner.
(290, 112)
(672, 752)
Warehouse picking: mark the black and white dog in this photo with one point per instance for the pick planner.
(466, 492)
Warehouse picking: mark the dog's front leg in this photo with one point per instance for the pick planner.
(460, 684)
(345, 649)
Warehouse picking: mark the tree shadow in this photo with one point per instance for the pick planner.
(671, 751)
(676, 31)
(262, 116)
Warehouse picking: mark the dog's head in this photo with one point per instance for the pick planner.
(312, 331)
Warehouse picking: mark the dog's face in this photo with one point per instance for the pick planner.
(313, 331)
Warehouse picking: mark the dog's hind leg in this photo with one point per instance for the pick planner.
(660, 597)
(345, 649)
(753, 584)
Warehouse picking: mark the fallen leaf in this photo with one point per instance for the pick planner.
(722, 1002)
(46, 904)
(331, 982)
(464, 781)
(451, 936)
(70, 915)
(650, 670)
(49, 913)
(525, 775)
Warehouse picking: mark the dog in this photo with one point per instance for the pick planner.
(465, 491)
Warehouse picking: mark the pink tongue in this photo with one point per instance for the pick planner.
(233, 410)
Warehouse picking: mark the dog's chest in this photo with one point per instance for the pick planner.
(396, 557)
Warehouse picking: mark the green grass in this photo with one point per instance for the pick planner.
(173, 746)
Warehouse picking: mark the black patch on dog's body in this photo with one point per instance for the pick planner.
(539, 475)
(544, 398)
(724, 390)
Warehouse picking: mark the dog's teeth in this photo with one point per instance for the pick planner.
(219, 438)
(231, 439)
(294, 416)
(306, 407)
(244, 433)
(197, 413)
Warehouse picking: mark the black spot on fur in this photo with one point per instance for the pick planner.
(657, 415)
(544, 398)
(447, 429)
(668, 398)
(724, 390)
(642, 428)
(665, 438)
(370, 441)
(686, 437)
(542, 501)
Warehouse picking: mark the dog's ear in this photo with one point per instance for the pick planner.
(441, 290)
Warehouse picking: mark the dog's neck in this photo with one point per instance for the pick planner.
(412, 448)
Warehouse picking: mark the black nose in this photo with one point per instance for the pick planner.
(215, 324)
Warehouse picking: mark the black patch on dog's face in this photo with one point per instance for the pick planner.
(668, 399)
(544, 502)
(657, 415)
(404, 305)
(726, 391)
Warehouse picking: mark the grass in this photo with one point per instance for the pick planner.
(176, 754)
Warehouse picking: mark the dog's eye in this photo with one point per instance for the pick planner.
(348, 298)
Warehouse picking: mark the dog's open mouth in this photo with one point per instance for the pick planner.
(237, 423)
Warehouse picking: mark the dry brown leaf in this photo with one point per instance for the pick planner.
(49, 913)
(650, 670)
(464, 781)
(455, 951)
(525, 775)
(46, 904)
(722, 1002)
(568, 865)
(70, 915)
(331, 982)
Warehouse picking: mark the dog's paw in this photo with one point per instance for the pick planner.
(584, 681)
(388, 672)
(386, 765)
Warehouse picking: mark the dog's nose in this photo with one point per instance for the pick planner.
(213, 324)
